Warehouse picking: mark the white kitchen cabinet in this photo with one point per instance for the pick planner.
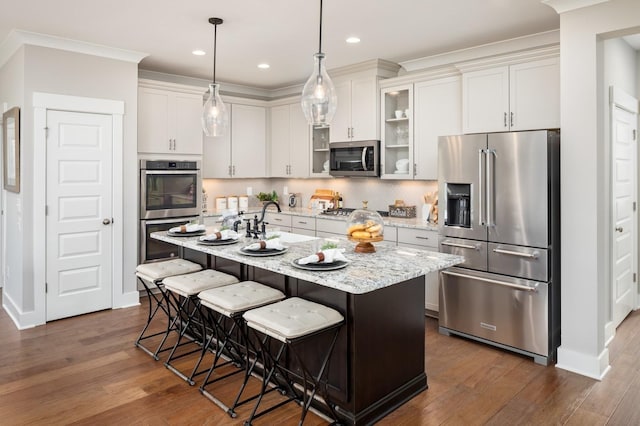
(169, 121)
(396, 118)
(427, 240)
(330, 228)
(241, 152)
(437, 112)
(357, 110)
(289, 141)
(319, 158)
(515, 97)
(278, 220)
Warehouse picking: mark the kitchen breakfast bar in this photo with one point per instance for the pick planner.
(378, 362)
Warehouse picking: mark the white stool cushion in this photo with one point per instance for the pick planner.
(159, 270)
(191, 284)
(239, 297)
(291, 318)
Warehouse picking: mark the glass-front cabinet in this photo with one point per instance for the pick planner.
(320, 151)
(397, 132)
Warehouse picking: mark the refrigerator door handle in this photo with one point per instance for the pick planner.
(489, 280)
(533, 255)
(480, 193)
(465, 246)
(489, 182)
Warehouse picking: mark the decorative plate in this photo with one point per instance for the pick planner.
(186, 234)
(218, 242)
(262, 252)
(338, 264)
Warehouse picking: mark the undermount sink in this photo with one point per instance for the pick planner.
(288, 237)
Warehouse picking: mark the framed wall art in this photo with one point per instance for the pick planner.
(11, 149)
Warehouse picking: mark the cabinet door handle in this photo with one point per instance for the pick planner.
(511, 119)
(415, 169)
(505, 119)
(229, 170)
(170, 145)
(233, 170)
(422, 238)
(277, 219)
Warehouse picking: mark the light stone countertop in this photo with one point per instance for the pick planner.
(366, 272)
(415, 223)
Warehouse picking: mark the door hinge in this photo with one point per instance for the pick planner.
(46, 210)
(46, 287)
(634, 277)
(46, 132)
(634, 206)
(634, 134)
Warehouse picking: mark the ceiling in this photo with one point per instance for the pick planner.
(283, 33)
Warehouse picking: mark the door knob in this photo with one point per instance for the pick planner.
(619, 228)
(106, 221)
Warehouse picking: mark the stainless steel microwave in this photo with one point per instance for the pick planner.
(361, 158)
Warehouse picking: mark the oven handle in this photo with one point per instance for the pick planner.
(533, 289)
(180, 219)
(171, 172)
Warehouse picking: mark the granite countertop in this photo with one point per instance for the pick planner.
(416, 223)
(366, 272)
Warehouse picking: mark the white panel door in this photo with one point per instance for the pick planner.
(534, 95)
(623, 131)
(188, 127)
(79, 206)
(300, 142)
(485, 100)
(248, 141)
(280, 137)
(341, 123)
(364, 109)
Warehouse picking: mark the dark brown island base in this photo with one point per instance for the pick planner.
(378, 362)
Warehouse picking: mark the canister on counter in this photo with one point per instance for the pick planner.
(221, 203)
(232, 202)
(243, 203)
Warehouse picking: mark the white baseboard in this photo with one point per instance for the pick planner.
(127, 300)
(609, 333)
(20, 319)
(584, 364)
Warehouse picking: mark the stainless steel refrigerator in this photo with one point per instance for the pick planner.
(499, 203)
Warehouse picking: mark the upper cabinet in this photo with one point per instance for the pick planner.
(289, 141)
(523, 96)
(413, 116)
(169, 119)
(396, 120)
(437, 112)
(242, 152)
(356, 114)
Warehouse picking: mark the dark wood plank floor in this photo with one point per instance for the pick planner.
(86, 371)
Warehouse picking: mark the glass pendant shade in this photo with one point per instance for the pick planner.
(319, 100)
(215, 119)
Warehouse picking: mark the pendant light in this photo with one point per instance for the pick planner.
(215, 119)
(319, 99)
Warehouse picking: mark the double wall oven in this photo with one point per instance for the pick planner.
(169, 196)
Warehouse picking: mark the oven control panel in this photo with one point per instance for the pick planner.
(168, 165)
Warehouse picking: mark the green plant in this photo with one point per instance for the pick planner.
(267, 196)
(328, 245)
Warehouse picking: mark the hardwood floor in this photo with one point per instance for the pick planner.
(86, 371)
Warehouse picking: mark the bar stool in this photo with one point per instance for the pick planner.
(289, 323)
(151, 276)
(182, 292)
(230, 303)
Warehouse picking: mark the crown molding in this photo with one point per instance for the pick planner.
(382, 68)
(18, 38)
(486, 50)
(562, 6)
(509, 59)
(416, 77)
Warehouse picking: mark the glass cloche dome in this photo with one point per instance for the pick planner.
(365, 227)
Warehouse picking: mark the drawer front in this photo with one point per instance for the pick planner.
(419, 237)
(524, 262)
(275, 219)
(338, 227)
(308, 223)
(474, 252)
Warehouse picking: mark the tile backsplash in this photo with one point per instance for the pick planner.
(379, 193)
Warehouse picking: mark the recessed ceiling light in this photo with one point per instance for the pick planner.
(264, 66)
(353, 40)
(199, 52)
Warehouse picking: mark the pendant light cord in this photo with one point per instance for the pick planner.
(320, 41)
(215, 34)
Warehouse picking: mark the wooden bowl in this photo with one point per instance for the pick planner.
(364, 244)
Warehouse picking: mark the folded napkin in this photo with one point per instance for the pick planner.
(324, 256)
(225, 234)
(266, 244)
(189, 227)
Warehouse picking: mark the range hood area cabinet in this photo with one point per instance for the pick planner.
(242, 151)
(522, 96)
(434, 109)
(169, 118)
(289, 156)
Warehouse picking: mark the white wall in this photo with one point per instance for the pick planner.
(380, 193)
(12, 93)
(67, 73)
(585, 228)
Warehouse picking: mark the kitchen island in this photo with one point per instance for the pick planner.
(378, 362)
